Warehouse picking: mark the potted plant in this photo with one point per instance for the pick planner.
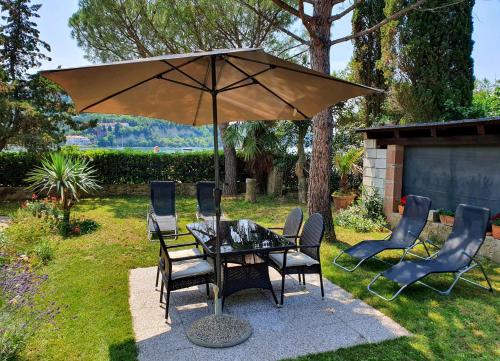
(346, 164)
(401, 205)
(446, 217)
(495, 226)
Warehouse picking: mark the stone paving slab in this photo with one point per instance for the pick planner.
(4, 222)
(306, 324)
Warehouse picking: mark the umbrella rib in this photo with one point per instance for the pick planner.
(184, 84)
(137, 84)
(187, 75)
(231, 86)
(319, 75)
(266, 88)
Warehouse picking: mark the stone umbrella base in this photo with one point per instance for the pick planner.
(217, 331)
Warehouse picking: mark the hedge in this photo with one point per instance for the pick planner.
(136, 167)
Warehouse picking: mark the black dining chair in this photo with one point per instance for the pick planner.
(178, 272)
(306, 260)
(163, 207)
(293, 222)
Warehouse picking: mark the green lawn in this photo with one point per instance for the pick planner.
(88, 278)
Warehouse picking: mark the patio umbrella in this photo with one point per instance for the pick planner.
(211, 87)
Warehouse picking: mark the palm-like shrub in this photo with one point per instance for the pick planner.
(346, 164)
(64, 177)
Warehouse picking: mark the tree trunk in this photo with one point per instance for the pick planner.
(300, 166)
(321, 162)
(3, 144)
(229, 187)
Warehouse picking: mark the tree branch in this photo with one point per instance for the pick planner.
(283, 30)
(394, 16)
(345, 12)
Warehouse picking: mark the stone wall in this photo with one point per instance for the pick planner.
(374, 167)
(436, 231)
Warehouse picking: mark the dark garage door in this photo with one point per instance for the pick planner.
(454, 175)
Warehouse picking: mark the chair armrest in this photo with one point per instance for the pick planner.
(308, 246)
(187, 258)
(275, 228)
(175, 235)
(182, 245)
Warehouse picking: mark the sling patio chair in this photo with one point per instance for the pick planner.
(205, 200)
(307, 258)
(180, 271)
(292, 224)
(458, 255)
(404, 236)
(163, 207)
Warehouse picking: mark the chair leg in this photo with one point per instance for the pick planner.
(282, 288)
(304, 279)
(161, 291)
(379, 295)
(321, 283)
(167, 302)
(208, 290)
(157, 275)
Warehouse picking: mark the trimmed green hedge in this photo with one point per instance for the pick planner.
(136, 167)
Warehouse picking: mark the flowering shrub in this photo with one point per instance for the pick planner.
(357, 217)
(20, 315)
(402, 201)
(495, 220)
(46, 207)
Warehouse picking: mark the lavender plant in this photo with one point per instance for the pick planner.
(23, 307)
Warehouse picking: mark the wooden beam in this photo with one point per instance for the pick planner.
(456, 140)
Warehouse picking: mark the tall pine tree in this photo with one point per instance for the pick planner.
(427, 57)
(33, 111)
(367, 53)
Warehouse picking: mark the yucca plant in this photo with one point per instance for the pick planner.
(346, 164)
(64, 177)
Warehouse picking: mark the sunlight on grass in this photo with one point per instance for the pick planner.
(88, 278)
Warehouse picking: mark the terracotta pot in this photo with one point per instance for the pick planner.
(446, 220)
(401, 209)
(495, 231)
(343, 201)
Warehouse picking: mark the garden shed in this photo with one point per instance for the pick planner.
(450, 162)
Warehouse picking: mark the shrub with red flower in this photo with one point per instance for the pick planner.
(496, 219)
(402, 201)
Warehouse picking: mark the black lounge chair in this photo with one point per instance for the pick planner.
(292, 224)
(163, 207)
(307, 258)
(456, 256)
(404, 236)
(179, 270)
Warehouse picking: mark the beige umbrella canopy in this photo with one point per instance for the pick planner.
(250, 84)
(206, 88)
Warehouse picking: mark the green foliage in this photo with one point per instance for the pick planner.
(427, 57)
(356, 217)
(367, 54)
(66, 177)
(25, 231)
(445, 212)
(373, 204)
(33, 110)
(84, 226)
(44, 251)
(346, 164)
(99, 28)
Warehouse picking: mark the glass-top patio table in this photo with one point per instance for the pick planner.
(246, 246)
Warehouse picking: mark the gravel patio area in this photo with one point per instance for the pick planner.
(306, 323)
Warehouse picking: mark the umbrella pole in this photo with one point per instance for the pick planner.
(218, 330)
(217, 190)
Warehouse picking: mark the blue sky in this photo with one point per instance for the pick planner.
(54, 15)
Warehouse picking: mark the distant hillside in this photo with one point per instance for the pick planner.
(128, 131)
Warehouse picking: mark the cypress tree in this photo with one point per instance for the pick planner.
(367, 53)
(429, 58)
